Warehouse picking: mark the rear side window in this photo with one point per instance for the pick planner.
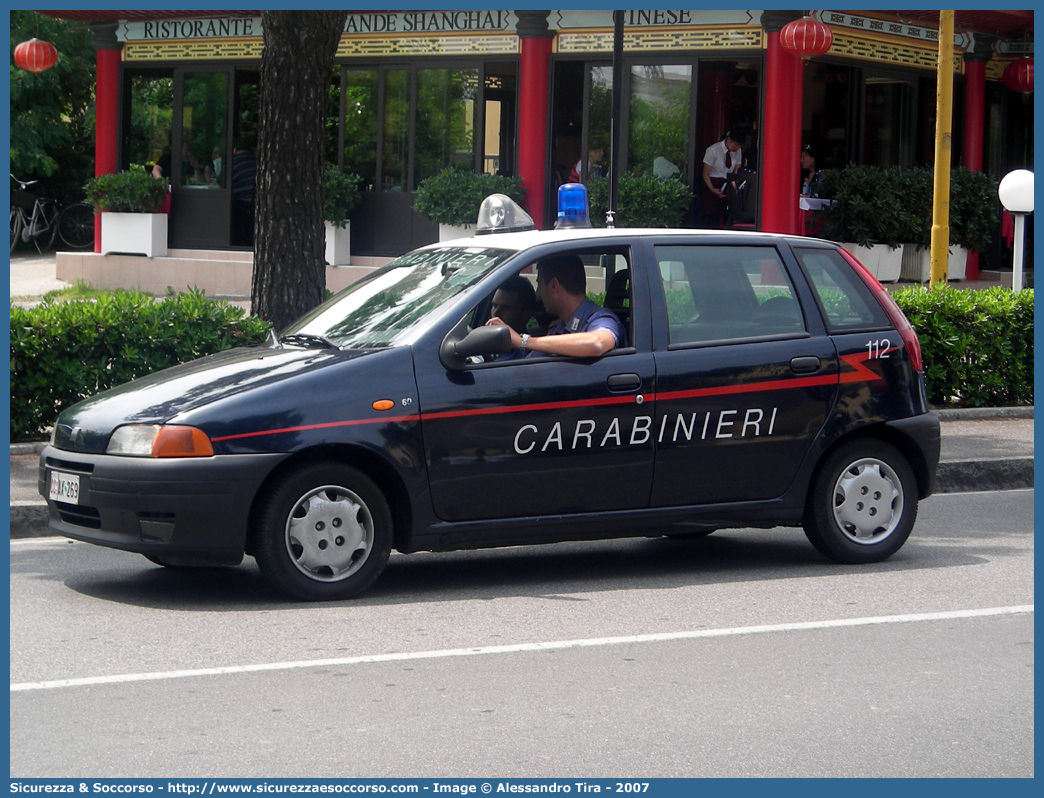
(846, 301)
(716, 293)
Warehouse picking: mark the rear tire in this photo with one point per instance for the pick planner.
(863, 503)
(324, 532)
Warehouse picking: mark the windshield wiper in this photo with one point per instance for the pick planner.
(307, 339)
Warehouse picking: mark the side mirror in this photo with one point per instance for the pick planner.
(495, 340)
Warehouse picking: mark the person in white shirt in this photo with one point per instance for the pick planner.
(721, 159)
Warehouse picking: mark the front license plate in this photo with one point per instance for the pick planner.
(64, 488)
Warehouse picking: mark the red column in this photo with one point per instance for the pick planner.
(535, 41)
(974, 114)
(779, 167)
(106, 107)
(974, 123)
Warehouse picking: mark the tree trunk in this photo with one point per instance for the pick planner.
(289, 238)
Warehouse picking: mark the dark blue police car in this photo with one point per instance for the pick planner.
(767, 381)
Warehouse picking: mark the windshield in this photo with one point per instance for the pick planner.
(384, 308)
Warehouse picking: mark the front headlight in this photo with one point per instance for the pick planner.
(154, 440)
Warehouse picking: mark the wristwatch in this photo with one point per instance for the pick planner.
(525, 342)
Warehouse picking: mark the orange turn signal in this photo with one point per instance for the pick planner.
(383, 404)
(181, 442)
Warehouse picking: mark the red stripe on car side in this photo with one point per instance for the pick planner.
(860, 373)
(328, 424)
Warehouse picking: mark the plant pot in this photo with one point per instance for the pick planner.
(870, 257)
(889, 263)
(883, 262)
(958, 264)
(917, 263)
(448, 232)
(134, 233)
(338, 244)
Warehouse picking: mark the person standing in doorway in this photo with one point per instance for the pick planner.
(719, 161)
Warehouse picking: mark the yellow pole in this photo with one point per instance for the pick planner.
(943, 142)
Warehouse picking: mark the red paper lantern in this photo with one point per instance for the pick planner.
(1019, 76)
(35, 55)
(806, 38)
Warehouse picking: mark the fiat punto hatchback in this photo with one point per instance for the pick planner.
(766, 381)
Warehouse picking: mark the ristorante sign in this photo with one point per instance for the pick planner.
(371, 22)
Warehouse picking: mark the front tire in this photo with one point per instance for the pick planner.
(863, 503)
(324, 533)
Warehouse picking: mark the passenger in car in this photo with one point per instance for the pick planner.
(514, 304)
(583, 328)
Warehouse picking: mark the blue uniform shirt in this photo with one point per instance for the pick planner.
(590, 317)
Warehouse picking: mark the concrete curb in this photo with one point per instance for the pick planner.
(960, 476)
(30, 521)
(33, 447)
(982, 413)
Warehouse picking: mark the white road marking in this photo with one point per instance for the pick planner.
(519, 647)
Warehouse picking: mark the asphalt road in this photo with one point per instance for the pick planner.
(742, 654)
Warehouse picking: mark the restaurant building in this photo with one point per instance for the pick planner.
(529, 93)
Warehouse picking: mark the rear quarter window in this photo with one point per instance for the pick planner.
(845, 300)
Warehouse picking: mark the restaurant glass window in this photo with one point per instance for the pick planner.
(445, 125)
(498, 150)
(396, 141)
(360, 124)
(826, 123)
(204, 136)
(888, 121)
(658, 133)
(151, 118)
(599, 123)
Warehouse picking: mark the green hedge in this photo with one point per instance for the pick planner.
(62, 352)
(645, 200)
(977, 345)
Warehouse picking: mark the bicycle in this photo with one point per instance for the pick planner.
(37, 219)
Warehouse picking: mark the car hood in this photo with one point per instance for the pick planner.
(159, 397)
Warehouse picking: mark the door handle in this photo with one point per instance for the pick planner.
(804, 365)
(621, 383)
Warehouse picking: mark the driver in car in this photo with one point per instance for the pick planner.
(583, 329)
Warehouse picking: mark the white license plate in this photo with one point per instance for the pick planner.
(64, 488)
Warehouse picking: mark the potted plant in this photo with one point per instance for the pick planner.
(452, 198)
(866, 215)
(128, 203)
(340, 196)
(973, 215)
(645, 200)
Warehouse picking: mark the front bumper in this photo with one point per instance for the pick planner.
(195, 509)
